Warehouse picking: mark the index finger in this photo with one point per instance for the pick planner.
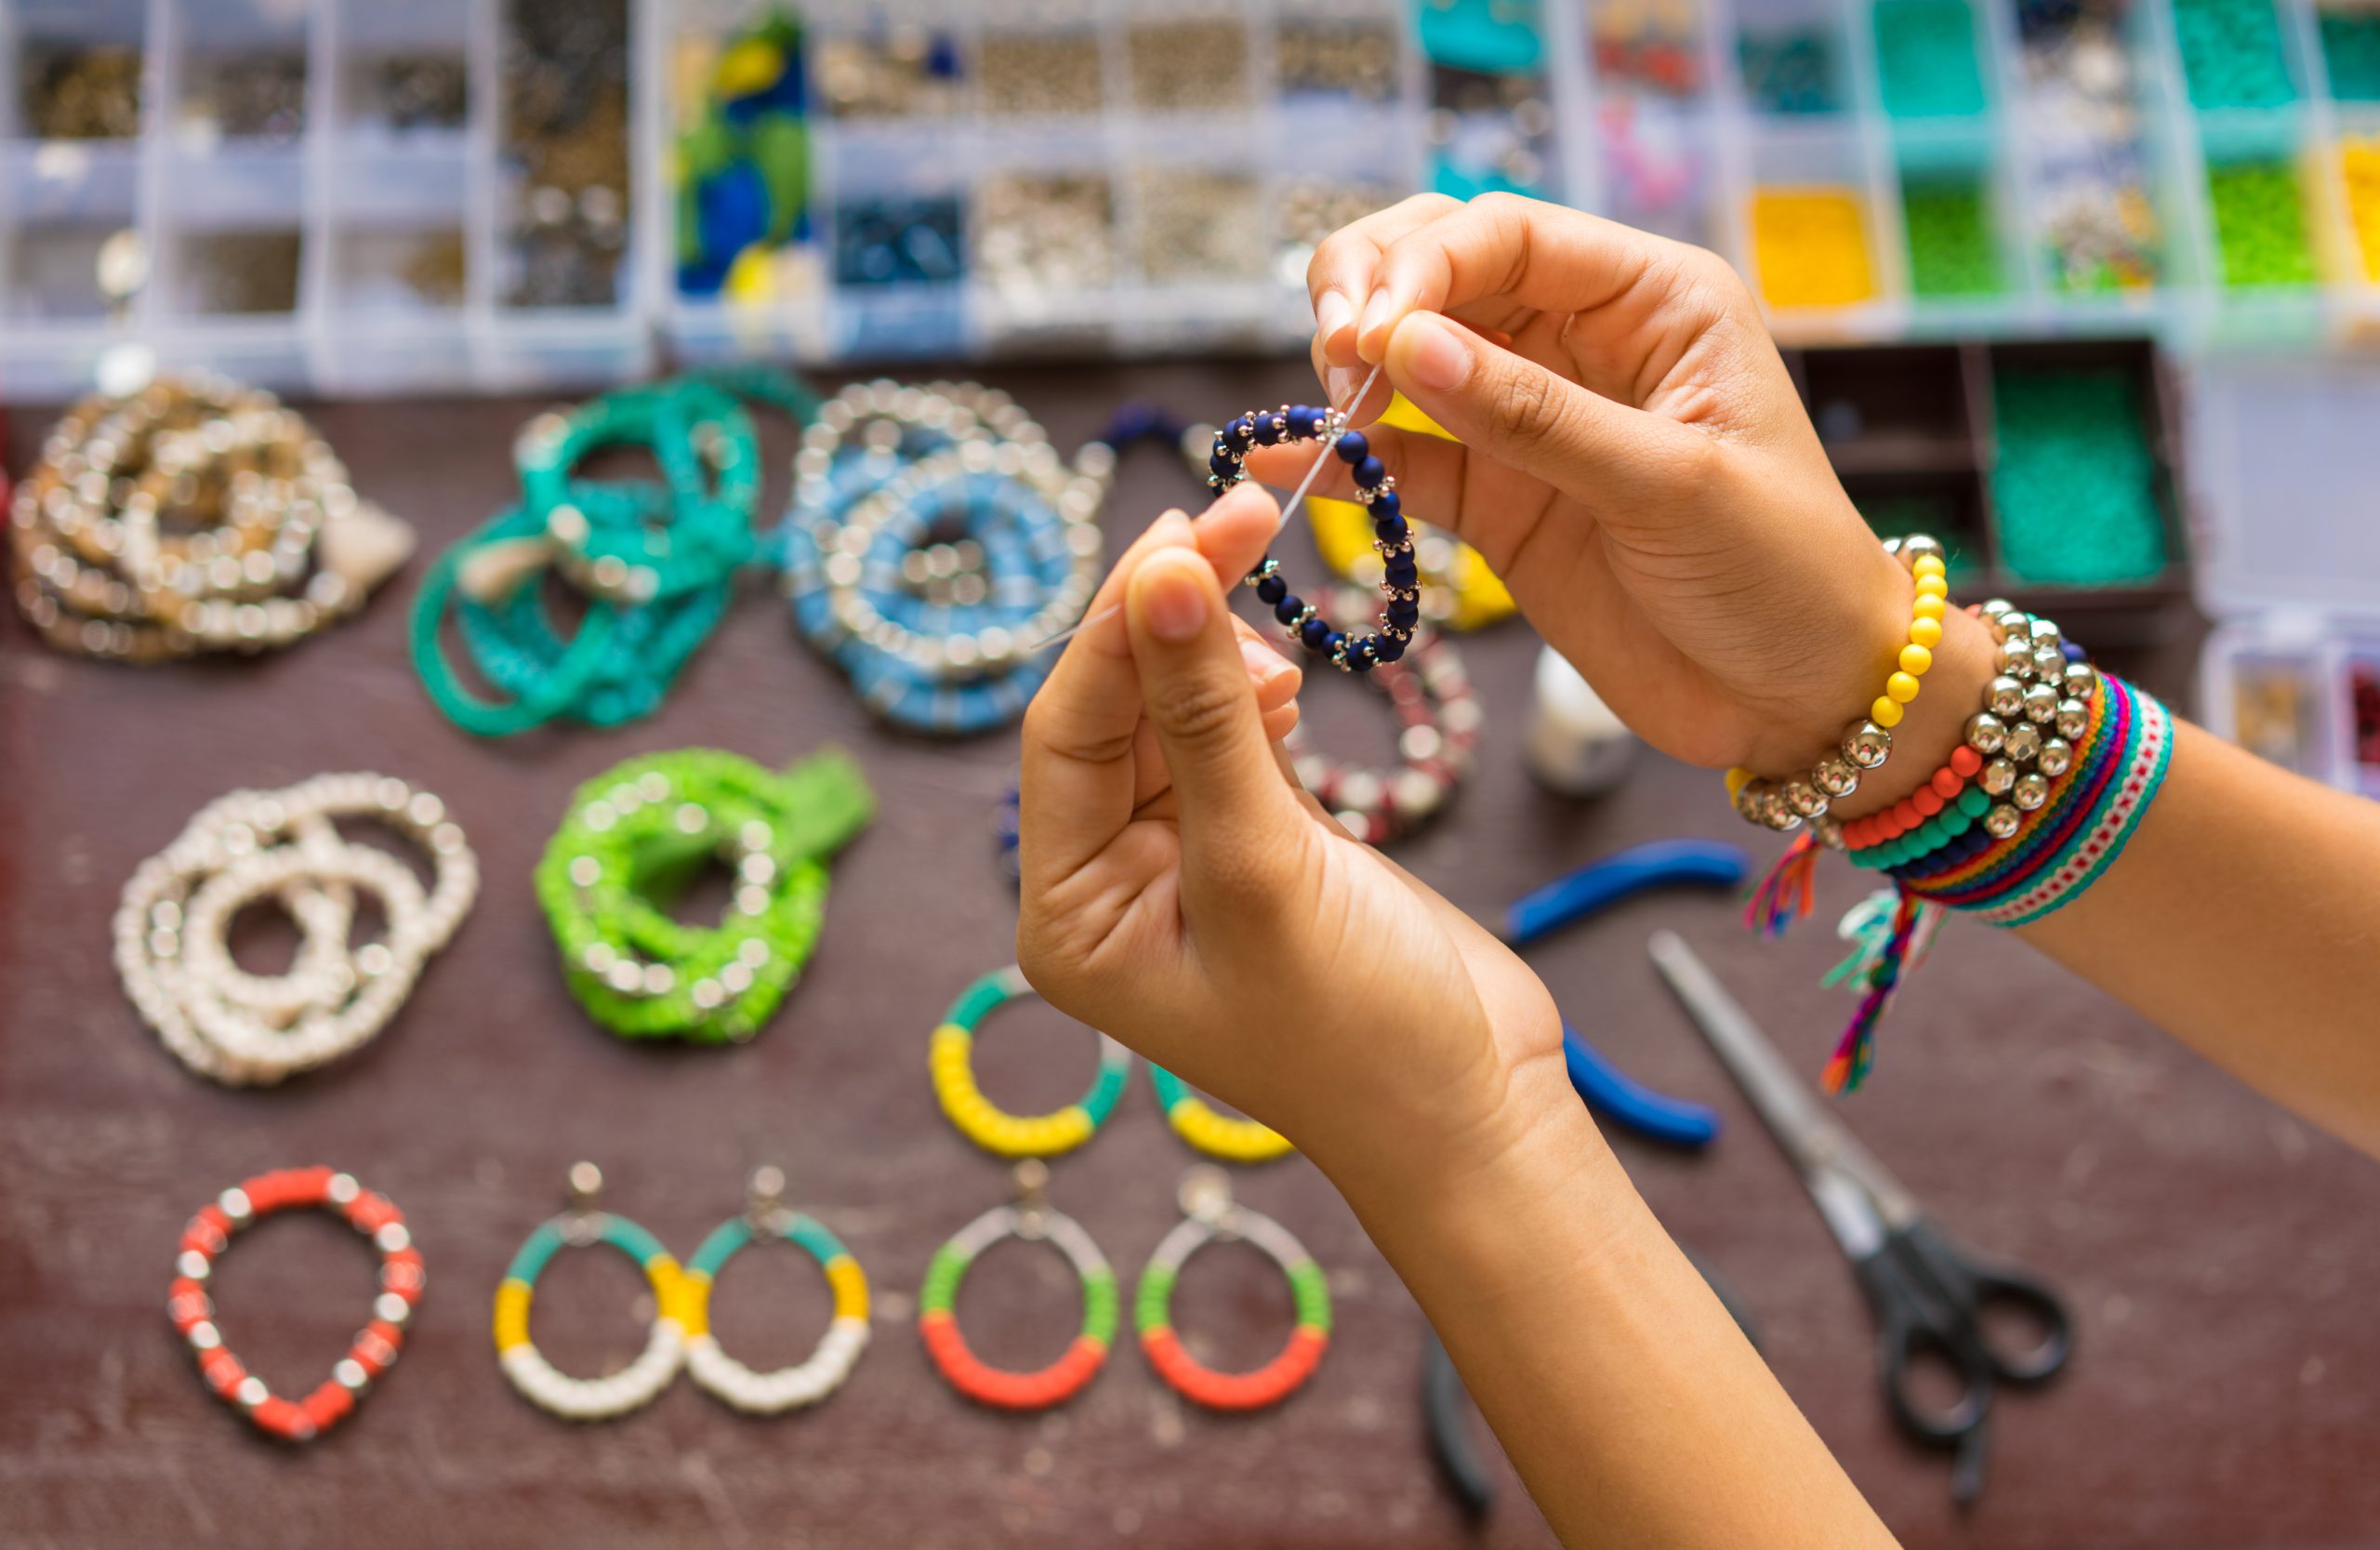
(1339, 277)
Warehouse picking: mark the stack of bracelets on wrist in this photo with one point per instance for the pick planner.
(171, 925)
(373, 1351)
(962, 476)
(656, 563)
(192, 516)
(2051, 777)
(1867, 742)
(1400, 576)
(635, 834)
(1438, 718)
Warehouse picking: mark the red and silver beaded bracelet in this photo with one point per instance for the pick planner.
(1438, 718)
(376, 1345)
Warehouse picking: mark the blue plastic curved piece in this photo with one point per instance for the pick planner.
(1615, 1095)
(1655, 864)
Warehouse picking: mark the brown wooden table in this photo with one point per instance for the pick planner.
(2219, 1256)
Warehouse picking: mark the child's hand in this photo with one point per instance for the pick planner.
(1183, 895)
(1636, 465)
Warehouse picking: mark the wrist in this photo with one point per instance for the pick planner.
(1933, 723)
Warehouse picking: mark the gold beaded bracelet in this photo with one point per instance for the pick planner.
(1867, 742)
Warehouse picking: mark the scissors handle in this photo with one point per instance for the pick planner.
(1974, 1288)
(1912, 1327)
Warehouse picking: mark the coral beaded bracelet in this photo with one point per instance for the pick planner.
(1210, 1216)
(1400, 579)
(375, 1348)
(1030, 1218)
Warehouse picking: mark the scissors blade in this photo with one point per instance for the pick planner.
(1816, 1142)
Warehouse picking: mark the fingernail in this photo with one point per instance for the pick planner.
(1263, 663)
(1341, 383)
(1440, 358)
(1376, 313)
(1331, 314)
(1173, 603)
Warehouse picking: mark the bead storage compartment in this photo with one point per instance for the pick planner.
(2048, 471)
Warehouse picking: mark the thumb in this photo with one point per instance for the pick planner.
(1527, 418)
(1233, 805)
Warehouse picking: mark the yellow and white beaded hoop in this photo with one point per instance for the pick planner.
(539, 1381)
(839, 1350)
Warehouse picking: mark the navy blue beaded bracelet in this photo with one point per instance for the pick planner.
(1401, 579)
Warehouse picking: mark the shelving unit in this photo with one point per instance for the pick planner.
(1811, 141)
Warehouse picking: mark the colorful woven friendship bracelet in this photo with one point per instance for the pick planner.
(375, 1348)
(839, 1349)
(1033, 1219)
(950, 1062)
(635, 835)
(1400, 579)
(1210, 1216)
(538, 1380)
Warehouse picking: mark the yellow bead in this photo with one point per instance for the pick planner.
(512, 1314)
(1902, 687)
(1915, 658)
(1927, 606)
(1933, 585)
(1926, 632)
(1927, 565)
(1736, 776)
(1886, 712)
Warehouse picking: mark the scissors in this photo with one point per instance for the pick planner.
(1930, 1297)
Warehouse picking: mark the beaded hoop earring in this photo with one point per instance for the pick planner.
(1033, 1219)
(1438, 719)
(1210, 1215)
(1209, 1130)
(639, 827)
(1400, 577)
(838, 1351)
(949, 1059)
(237, 1027)
(539, 1381)
(375, 1346)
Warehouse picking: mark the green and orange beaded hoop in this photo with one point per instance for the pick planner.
(375, 1348)
(1210, 1216)
(1030, 1218)
(637, 833)
(950, 1062)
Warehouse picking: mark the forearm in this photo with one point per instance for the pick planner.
(1630, 1402)
(2244, 920)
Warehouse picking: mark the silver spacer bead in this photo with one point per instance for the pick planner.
(2004, 695)
(2015, 658)
(2056, 756)
(1996, 776)
(2074, 718)
(1836, 775)
(1986, 732)
(2049, 664)
(2024, 742)
(1805, 798)
(2041, 704)
(1916, 545)
(1829, 830)
(2001, 821)
(2030, 790)
(1991, 611)
(2081, 681)
(1867, 745)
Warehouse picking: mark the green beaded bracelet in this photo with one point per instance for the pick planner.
(633, 838)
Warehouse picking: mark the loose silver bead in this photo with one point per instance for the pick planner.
(1805, 798)
(2024, 741)
(1835, 776)
(2030, 790)
(2056, 756)
(2004, 695)
(1867, 745)
(2049, 663)
(2074, 718)
(1996, 776)
(2016, 657)
(1986, 732)
(2041, 704)
(2001, 821)
(2081, 681)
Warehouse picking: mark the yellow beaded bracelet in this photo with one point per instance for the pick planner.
(1866, 744)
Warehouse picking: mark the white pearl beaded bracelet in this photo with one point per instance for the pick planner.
(171, 926)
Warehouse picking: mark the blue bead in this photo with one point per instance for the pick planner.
(1388, 648)
(1289, 608)
(1387, 504)
(1334, 643)
(1402, 573)
(1240, 431)
(1352, 448)
(1268, 430)
(1272, 589)
(1313, 632)
(1404, 612)
(2074, 653)
(1301, 418)
(1359, 654)
(1392, 532)
(1370, 472)
(1221, 466)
